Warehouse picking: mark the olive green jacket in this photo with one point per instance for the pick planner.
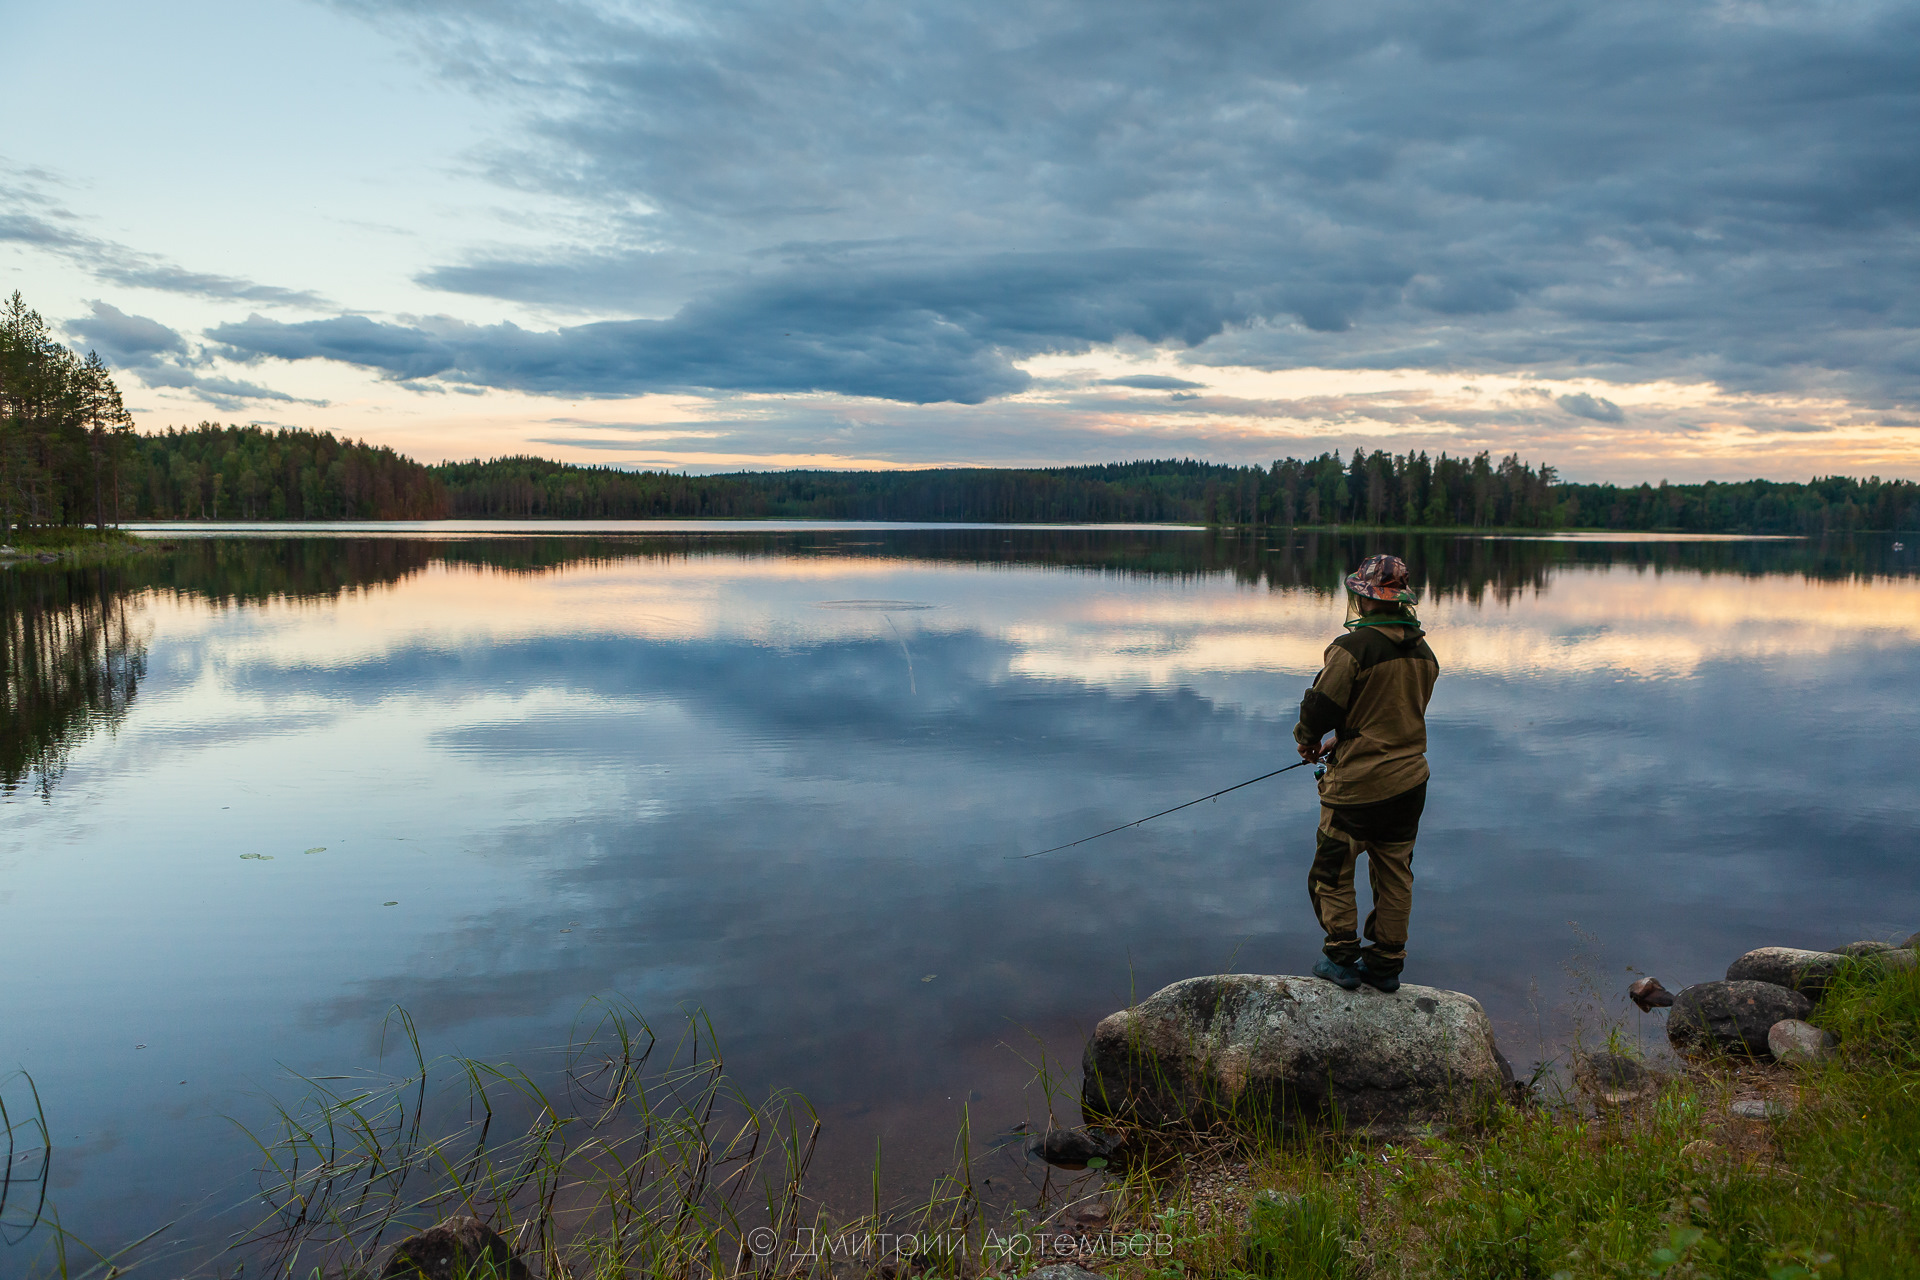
(1373, 693)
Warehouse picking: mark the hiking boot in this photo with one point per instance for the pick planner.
(1382, 982)
(1336, 973)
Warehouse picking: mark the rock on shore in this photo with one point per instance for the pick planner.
(1810, 972)
(1791, 967)
(456, 1249)
(1791, 1040)
(1267, 1050)
(1733, 1017)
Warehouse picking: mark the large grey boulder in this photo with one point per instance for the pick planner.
(1731, 1017)
(1791, 967)
(1266, 1051)
(1811, 972)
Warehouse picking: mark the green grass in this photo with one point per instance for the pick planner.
(1672, 1187)
(636, 1158)
(75, 543)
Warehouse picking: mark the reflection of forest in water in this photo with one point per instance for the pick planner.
(73, 658)
(73, 652)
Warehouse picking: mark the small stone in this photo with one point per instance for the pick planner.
(1073, 1148)
(1791, 1040)
(1613, 1079)
(1913, 942)
(1759, 1109)
(456, 1249)
(1062, 1271)
(1732, 1017)
(1649, 995)
(1864, 948)
(1087, 1217)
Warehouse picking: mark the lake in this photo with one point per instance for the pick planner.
(261, 790)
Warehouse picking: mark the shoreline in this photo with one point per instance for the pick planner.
(750, 524)
(72, 546)
(1715, 1165)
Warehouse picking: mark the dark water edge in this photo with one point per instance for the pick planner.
(1653, 823)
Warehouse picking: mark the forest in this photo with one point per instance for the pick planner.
(1376, 489)
(211, 472)
(69, 456)
(63, 429)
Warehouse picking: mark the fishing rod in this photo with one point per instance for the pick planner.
(1164, 812)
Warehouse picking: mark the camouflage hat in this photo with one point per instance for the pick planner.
(1382, 578)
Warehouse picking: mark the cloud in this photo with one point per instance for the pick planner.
(223, 393)
(161, 357)
(28, 216)
(912, 331)
(1151, 382)
(813, 195)
(123, 339)
(1582, 405)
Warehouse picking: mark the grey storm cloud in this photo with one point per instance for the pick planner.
(915, 332)
(1582, 405)
(1151, 382)
(903, 201)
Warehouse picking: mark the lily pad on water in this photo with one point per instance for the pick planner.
(930, 977)
(389, 904)
(256, 857)
(319, 848)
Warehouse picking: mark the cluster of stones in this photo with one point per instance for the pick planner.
(1760, 1009)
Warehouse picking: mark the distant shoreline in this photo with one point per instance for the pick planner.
(723, 524)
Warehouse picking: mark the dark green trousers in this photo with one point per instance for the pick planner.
(1385, 833)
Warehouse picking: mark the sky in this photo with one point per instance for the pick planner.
(1636, 240)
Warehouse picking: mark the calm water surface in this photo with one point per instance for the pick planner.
(786, 777)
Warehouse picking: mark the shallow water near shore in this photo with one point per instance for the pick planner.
(261, 790)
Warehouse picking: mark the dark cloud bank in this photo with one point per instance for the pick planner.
(163, 358)
(901, 202)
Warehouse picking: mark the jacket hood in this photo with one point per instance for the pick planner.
(1404, 634)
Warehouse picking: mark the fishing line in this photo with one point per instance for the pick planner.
(1163, 813)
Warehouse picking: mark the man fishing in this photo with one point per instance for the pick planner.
(1372, 695)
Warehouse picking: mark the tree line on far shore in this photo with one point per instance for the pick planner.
(69, 456)
(211, 472)
(1375, 489)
